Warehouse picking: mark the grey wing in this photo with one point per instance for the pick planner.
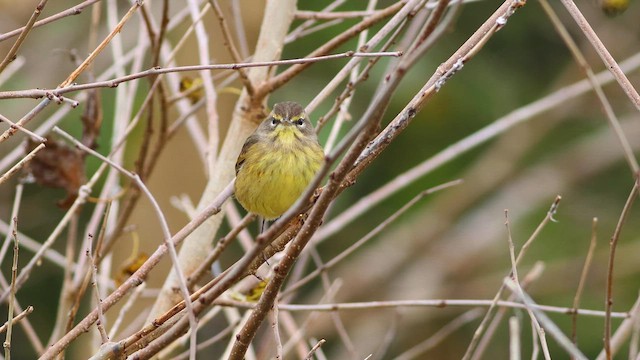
(251, 140)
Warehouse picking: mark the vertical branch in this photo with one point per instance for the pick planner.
(228, 42)
(209, 90)
(518, 288)
(613, 243)
(12, 298)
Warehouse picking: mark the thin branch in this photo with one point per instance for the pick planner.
(544, 320)
(15, 168)
(89, 60)
(476, 336)
(606, 105)
(74, 10)
(23, 35)
(230, 45)
(330, 15)
(276, 331)
(12, 297)
(94, 280)
(606, 57)
(514, 338)
(314, 349)
(33, 135)
(435, 303)
(17, 318)
(38, 93)
(518, 288)
(613, 243)
(532, 275)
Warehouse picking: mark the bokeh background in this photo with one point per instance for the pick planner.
(452, 244)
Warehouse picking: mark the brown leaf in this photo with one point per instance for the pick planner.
(58, 166)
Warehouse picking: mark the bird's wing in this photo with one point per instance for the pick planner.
(251, 140)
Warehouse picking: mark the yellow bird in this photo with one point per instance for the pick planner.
(277, 161)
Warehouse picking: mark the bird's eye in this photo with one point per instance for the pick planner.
(274, 121)
(300, 122)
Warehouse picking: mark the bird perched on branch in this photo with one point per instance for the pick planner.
(277, 161)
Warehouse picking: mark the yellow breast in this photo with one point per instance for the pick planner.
(274, 174)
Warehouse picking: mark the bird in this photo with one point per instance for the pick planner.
(278, 161)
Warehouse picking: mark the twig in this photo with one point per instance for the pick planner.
(12, 297)
(239, 28)
(23, 35)
(314, 349)
(17, 318)
(15, 209)
(389, 337)
(71, 78)
(38, 93)
(606, 57)
(26, 118)
(33, 246)
(33, 135)
(606, 105)
(15, 168)
(211, 98)
(230, 45)
(297, 334)
(514, 338)
(329, 296)
(476, 335)
(94, 279)
(276, 330)
(516, 281)
(544, 320)
(583, 279)
(531, 276)
(295, 33)
(623, 331)
(612, 253)
(74, 10)
(330, 15)
(400, 8)
(435, 303)
(26, 271)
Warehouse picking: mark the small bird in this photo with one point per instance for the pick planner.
(277, 161)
